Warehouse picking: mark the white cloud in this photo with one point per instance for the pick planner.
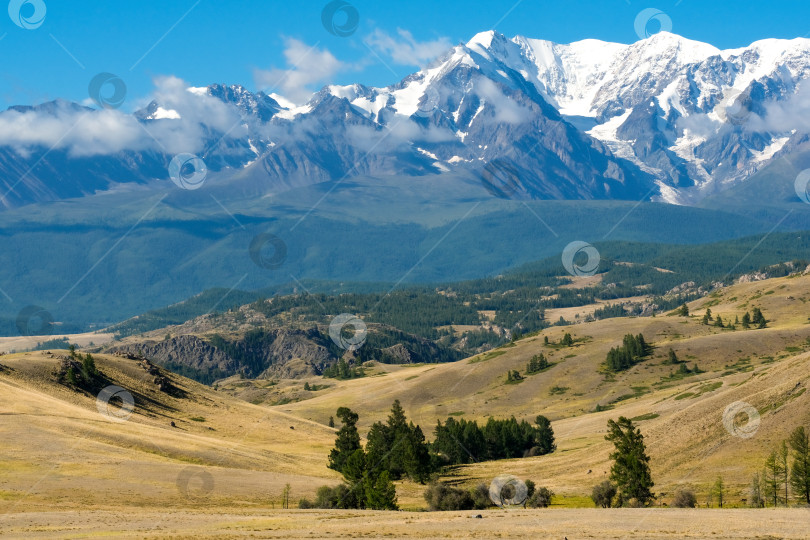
(80, 131)
(791, 114)
(87, 132)
(405, 49)
(505, 109)
(200, 114)
(780, 117)
(307, 66)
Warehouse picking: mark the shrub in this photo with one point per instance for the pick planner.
(480, 496)
(541, 498)
(305, 504)
(530, 488)
(340, 496)
(603, 494)
(443, 497)
(684, 498)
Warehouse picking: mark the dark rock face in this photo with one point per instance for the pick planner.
(276, 353)
(400, 352)
(189, 351)
(280, 353)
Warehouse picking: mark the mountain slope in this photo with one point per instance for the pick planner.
(664, 118)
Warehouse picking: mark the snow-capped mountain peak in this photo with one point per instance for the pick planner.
(529, 117)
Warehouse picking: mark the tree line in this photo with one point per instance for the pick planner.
(397, 449)
(462, 441)
(757, 320)
(632, 350)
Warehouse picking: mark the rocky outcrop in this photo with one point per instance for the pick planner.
(276, 353)
(400, 352)
(190, 351)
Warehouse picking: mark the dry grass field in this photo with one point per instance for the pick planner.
(553, 524)
(67, 470)
(22, 343)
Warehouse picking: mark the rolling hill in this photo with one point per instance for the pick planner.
(190, 450)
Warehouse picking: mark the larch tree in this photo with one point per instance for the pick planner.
(800, 472)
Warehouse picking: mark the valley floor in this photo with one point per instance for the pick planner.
(549, 523)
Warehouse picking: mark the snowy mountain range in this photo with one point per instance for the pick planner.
(664, 118)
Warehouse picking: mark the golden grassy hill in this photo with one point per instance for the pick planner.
(683, 427)
(58, 449)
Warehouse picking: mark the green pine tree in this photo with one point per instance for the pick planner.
(416, 459)
(544, 435)
(758, 318)
(378, 446)
(89, 366)
(354, 473)
(348, 439)
(631, 469)
(71, 377)
(380, 492)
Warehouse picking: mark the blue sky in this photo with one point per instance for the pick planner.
(245, 42)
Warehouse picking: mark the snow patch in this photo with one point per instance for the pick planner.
(428, 154)
(769, 151)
